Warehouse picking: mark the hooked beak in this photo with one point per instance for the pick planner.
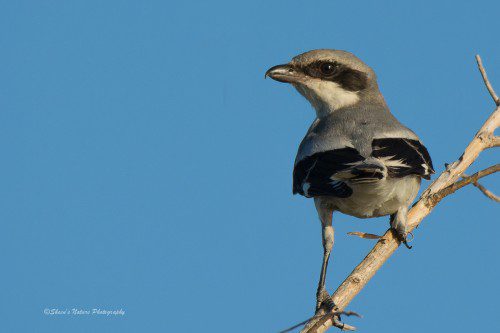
(284, 73)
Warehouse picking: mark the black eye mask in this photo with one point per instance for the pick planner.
(348, 78)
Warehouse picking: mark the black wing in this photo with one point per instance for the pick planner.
(312, 176)
(403, 157)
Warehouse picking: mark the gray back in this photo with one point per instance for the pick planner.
(355, 127)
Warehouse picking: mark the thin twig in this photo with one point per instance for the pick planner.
(295, 326)
(486, 81)
(466, 181)
(364, 235)
(485, 191)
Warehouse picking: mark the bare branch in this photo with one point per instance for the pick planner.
(364, 235)
(486, 81)
(445, 184)
(485, 191)
(466, 181)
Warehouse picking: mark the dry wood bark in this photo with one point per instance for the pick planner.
(447, 183)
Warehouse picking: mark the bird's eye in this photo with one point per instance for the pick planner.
(327, 68)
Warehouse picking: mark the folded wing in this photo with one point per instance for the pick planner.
(321, 174)
(403, 157)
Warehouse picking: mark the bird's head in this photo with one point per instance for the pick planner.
(329, 79)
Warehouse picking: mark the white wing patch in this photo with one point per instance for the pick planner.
(389, 162)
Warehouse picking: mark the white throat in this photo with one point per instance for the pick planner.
(326, 96)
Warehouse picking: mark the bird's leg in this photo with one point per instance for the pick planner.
(399, 224)
(325, 216)
(321, 294)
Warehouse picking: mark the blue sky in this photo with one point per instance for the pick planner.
(147, 164)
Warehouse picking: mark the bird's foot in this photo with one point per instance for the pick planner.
(403, 238)
(399, 226)
(323, 298)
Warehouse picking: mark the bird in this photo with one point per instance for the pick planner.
(356, 158)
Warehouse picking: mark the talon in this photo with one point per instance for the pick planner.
(406, 244)
(404, 239)
(339, 324)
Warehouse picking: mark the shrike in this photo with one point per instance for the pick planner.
(356, 157)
